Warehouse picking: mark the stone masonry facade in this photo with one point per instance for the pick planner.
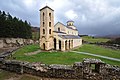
(59, 36)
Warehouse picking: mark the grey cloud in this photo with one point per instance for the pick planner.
(92, 19)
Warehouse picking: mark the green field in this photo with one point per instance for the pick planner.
(94, 49)
(63, 57)
(94, 40)
(26, 49)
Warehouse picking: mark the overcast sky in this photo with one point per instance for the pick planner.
(95, 17)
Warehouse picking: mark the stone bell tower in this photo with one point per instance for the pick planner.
(46, 28)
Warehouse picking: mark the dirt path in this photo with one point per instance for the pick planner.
(33, 53)
(110, 58)
(14, 78)
(31, 77)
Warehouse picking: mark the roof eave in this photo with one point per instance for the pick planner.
(46, 7)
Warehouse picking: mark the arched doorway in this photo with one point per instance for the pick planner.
(66, 45)
(44, 46)
(69, 44)
(54, 44)
(59, 45)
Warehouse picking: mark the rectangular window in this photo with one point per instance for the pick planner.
(59, 29)
(95, 68)
(50, 16)
(43, 16)
(50, 31)
(43, 31)
(43, 24)
(49, 24)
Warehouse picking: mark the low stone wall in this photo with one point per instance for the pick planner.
(14, 42)
(8, 53)
(79, 70)
(88, 69)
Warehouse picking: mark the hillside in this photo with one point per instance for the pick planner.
(94, 39)
(112, 36)
(35, 33)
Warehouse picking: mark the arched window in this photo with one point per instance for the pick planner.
(49, 31)
(59, 29)
(43, 16)
(69, 24)
(43, 24)
(43, 31)
(49, 24)
(50, 16)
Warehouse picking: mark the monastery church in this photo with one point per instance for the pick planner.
(59, 36)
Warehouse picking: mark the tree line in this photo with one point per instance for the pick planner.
(12, 27)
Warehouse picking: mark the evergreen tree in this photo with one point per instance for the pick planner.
(2, 24)
(13, 27)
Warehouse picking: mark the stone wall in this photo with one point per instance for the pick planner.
(77, 42)
(1, 43)
(88, 69)
(14, 42)
(79, 70)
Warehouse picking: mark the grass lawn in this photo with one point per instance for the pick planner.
(60, 58)
(94, 49)
(93, 40)
(26, 49)
(55, 57)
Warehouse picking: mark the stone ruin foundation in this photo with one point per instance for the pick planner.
(88, 69)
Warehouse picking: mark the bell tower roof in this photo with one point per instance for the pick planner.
(70, 23)
(46, 7)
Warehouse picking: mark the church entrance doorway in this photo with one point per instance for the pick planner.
(44, 46)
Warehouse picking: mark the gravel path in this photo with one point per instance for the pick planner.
(32, 53)
(110, 58)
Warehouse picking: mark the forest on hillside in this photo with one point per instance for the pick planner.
(12, 27)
